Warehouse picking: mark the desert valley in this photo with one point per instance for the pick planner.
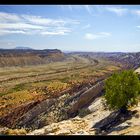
(41, 88)
(69, 70)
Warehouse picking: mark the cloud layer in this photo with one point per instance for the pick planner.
(30, 24)
(90, 36)
(97, 9)
(117, 10)
(11, 23)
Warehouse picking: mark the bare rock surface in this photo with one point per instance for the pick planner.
(83, 126)
(77, 125)
(86, 97)
(129, 127)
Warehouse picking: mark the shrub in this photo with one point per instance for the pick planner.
(122, 90)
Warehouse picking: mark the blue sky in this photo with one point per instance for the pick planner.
(106, 28)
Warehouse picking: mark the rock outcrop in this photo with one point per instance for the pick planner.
(84, 126)
(114, 119)
(77, 125)
(129, 127)
(12, 118)
(35, 111)
(86, 97)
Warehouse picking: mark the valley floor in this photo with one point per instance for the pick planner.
(25, 90)
(19, 85)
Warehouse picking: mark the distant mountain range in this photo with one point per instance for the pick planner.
(23, 48)
(21, 56)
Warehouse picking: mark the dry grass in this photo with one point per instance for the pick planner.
(15, 132)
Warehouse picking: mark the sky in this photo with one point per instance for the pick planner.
(93, 28)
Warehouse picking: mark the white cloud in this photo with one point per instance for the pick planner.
(70, 7)
(117, 10)
(48, 21)
(88, 9)
(30, 24)
(74, 8)
(86, 26)
(90, 36)
(5, 32)
(59, 31)
(136, 12)
(105, 33)
(19, 26)
(6, 17)
(54, 33)
(43, 21)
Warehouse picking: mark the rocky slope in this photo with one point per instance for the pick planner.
(51, 110)
(83, 126)
(129, 60)
(77, 125)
